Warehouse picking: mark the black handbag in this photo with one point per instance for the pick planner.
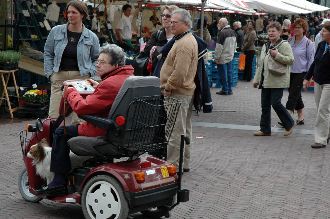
(140, 65)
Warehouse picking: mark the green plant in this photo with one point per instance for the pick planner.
(36, 96)
(9, 57)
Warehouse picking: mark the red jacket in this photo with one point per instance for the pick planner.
(100, 102)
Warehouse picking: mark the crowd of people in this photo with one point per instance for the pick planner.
(296, 52)
(72, 51)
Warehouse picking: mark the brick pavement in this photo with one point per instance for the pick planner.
(234, 174)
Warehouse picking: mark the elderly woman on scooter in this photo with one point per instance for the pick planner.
(110, 66)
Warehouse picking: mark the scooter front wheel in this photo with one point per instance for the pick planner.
(103, 197)
(23, 186)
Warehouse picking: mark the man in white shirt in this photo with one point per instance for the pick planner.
(124, 28)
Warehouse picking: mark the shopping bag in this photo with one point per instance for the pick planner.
(241, 62)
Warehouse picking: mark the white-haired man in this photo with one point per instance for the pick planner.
(177, 80)
(224, 54)
(318, 37)
(237, 26)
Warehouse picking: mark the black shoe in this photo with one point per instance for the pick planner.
(318, 145)
(230, 93)
(60, 190)
(222, 93)
(300, 122)
(186, 170)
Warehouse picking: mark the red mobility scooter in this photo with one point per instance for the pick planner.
(120, 177)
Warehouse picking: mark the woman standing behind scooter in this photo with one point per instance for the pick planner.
(70, 52)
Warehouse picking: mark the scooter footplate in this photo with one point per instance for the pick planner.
(183, 195)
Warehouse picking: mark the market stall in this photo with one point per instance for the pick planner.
(306, 5)
(275, 7)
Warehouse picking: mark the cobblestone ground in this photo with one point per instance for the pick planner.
(233, 174)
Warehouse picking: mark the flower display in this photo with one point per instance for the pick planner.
(36, 96)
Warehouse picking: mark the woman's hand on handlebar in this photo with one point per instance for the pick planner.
(67, 90)
(92, 82)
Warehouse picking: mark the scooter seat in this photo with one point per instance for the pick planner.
(87, 146)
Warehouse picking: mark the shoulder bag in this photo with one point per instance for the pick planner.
(275, 67)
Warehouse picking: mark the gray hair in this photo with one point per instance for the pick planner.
(237, 24)
(185, 16)
(115, 52)
(170, 8)
(224, 21)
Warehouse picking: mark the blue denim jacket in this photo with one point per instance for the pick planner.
(88, 49)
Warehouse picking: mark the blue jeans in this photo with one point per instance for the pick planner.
(225, 72)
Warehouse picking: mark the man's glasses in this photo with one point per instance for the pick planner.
(166, 15)
(175, 22)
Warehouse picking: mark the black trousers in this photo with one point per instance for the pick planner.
(60, 162)
(247, 76)
(272, 97)
(295, 101)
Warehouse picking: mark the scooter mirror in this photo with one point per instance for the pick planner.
(39, 125)
(30, 128)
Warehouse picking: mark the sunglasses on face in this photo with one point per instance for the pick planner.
(166, 15)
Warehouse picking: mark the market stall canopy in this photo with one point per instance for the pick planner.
(231, 5)
(275, 7)
(306, 5)
(210, 4)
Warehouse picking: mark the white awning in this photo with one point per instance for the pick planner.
(275, 7)
(212, 4)
(229, 5)
(306, 5)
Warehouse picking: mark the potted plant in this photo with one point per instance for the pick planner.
(9, 59)
(35, 98)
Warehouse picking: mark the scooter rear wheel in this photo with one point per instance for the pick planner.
(103, 197)
(23, 186)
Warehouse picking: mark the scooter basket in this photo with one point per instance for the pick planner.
(150, 123)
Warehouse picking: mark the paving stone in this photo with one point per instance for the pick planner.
(233, 173)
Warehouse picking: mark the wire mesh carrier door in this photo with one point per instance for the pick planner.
(150, 123)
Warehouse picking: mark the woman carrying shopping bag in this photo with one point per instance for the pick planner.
(272, 76)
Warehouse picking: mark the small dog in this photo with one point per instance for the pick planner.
(41, 155)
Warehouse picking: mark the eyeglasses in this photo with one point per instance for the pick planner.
(166, 15)
(175, 22)
(101, 62)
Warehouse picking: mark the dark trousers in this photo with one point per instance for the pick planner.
(272, 97)
(60, 162)
(295, 101)
(247, 76)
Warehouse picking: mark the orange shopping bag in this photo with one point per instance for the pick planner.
(241, 62)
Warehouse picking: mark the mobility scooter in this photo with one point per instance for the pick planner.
(121, 176)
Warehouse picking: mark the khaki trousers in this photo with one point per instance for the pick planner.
(182, 126)
(57, 80)
(322, 100)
